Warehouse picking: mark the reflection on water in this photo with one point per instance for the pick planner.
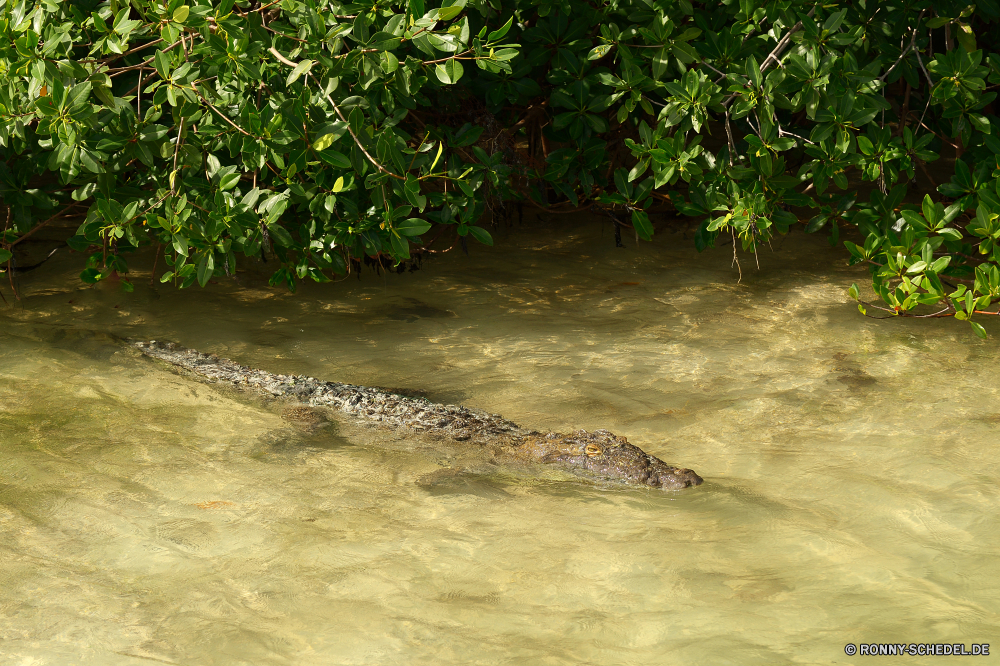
(851, 468)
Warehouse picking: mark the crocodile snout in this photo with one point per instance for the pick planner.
(677, 479)
(608, 456)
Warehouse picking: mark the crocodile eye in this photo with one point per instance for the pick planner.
(592, 450)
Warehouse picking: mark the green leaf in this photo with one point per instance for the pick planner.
(967, 40)
(641, 224)
(940, 264)
(979, 330)
(817, 223)
(853, 291)
(281, 235)
(599, 51)
(180, 15)
(390, 62)
(324, 142)
(449, 72)
(660, 62)
(206, 267)
(481, 235)
(229, 181)
(45, 106)
(335, 158)
(505, 54)
(400, 246)
(753, 72)
(180, 245)
(338, 185)
(162, 63)
(99, 22)
(437, 157)
(413, 226)
(448, 13)
(384, 41)
(500, 32)
(78, 94)
(302, 68)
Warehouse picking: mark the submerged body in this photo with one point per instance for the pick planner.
(599, 454)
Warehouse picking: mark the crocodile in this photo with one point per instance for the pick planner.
(599, 454)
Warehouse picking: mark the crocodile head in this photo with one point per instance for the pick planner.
(608, 456)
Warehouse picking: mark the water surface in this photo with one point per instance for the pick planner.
(851, 467)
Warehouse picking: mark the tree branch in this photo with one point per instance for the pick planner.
(340, 114)
(776, 53)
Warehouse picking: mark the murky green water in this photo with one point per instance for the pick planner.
(851, 469)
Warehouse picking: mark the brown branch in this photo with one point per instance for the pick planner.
(531, 111)
(454, 57)
(144, 63)
(156, 260)
(913, 41)
(222, 115)
(42, 224)
(776, 53)
(579, 209)
(10, 276)
(281, 34)
(282, 58)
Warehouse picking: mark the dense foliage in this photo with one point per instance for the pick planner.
(316, 131)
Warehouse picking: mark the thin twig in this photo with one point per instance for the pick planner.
(222, 115)
(729, 136)
(454, 57)
(10, 276)
(913, 41)
(340, 114)
(736, 260)
(899, 60)
(921, 61)
(177, 149)
(702, 62)
(281, 34)
(358, 141)
(119, 56)
(782, 132)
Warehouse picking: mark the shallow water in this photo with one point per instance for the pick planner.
(851, 468)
